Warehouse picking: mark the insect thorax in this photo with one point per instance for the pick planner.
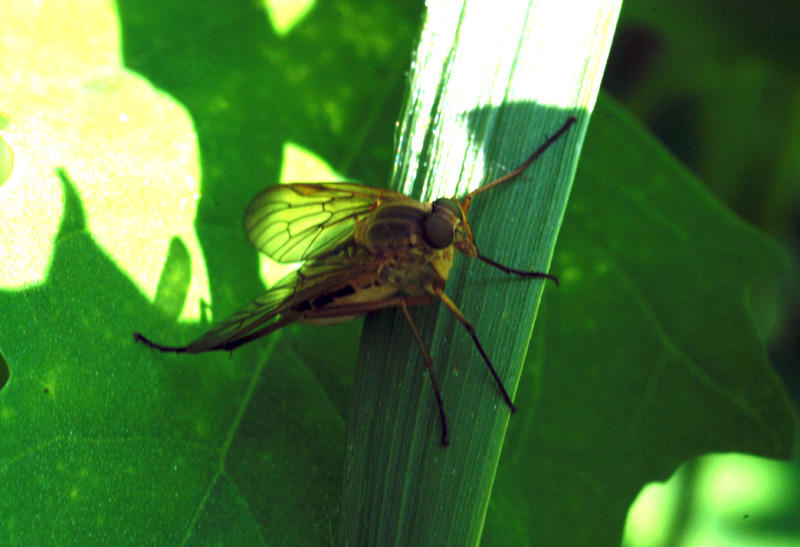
(395, 226)
(416, 269)
(393, 235)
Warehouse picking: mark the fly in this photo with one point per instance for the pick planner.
(364, 249)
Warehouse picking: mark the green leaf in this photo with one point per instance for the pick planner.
(116, 188)
(126, 184)
(476, 109)
(111, 442)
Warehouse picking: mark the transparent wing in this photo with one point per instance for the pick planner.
(314, 278)
(294, 222)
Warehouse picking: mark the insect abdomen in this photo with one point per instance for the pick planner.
(359, 291)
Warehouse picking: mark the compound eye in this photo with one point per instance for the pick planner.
(438, 231)
(450, 205)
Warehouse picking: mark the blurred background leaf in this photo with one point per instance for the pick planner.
(645, 357)
(717, 83)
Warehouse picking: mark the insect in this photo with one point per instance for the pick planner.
(364, 249)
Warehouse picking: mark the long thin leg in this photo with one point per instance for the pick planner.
(466, 202)
(139, 337)
(429, 364)
(520, 273)
(449, 303)
(521, 169)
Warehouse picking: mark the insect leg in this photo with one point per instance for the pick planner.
(138, 337)
(520, 273)
(521, 169)
(429, 364)
(471, 330)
